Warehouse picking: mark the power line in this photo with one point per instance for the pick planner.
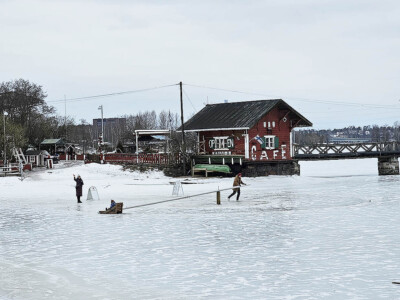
(227, 90)
(298, 99)
(194, 108)
(372, 106)
(111, 94)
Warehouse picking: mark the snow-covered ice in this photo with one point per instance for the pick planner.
(330, 233)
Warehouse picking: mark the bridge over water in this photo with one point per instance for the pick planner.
(386, 152)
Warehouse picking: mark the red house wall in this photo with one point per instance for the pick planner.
(236, 134)
(281, 130)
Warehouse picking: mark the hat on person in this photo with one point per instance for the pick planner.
(240, 174)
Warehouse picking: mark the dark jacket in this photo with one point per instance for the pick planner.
(79, 184)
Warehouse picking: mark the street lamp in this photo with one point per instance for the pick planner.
(102, 123)
(4, 125)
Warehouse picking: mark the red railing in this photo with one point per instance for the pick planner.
(131, 158)
(71, 157)
(153, 158)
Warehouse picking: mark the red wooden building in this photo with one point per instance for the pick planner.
(253, 137)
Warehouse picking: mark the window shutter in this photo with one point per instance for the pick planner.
(263, 145)
(276, 142)
(230, 142)
(211, 143)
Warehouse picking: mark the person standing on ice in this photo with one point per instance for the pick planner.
(237, 182)
(78, 187)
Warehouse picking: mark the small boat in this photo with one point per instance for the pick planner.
(117, 209)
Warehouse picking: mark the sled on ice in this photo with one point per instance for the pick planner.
(117, 209)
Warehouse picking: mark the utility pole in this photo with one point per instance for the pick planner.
(183, 133)
(4, 123)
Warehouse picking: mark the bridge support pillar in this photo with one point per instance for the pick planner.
(388, 166)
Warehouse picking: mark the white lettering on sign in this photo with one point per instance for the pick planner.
(211, 143)
(253, 152)
(264, 155)
(283, 151)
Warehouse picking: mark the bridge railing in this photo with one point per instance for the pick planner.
(370, 149)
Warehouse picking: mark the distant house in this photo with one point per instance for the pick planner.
(33, 157)
(153, 141)
(253, 137)
(36, 157)
(53, 146)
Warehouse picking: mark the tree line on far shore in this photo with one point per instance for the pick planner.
(373, 133)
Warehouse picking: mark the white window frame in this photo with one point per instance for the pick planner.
(269, 142)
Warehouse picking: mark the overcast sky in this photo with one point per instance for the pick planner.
(336, 62)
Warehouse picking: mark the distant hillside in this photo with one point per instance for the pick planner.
(354, 134)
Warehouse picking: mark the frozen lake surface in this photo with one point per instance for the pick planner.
(331, 233)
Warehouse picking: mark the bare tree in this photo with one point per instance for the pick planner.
(25, 103)
(163, 120)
